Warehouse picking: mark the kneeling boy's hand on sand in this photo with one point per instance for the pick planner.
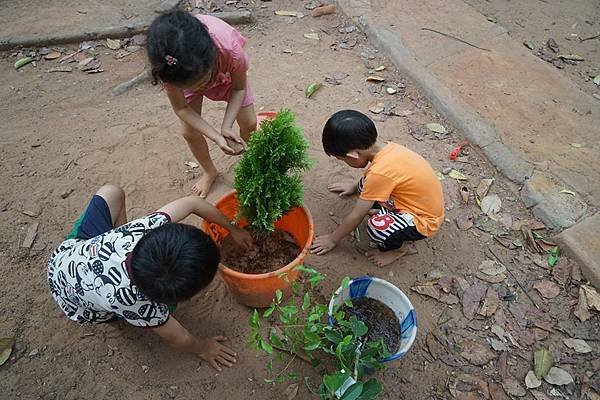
(343, 188)
(212, 351)
(322, 245)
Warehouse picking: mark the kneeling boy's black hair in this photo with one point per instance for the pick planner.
(174, 262)
(348, 130)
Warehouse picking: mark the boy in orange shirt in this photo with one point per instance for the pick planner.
(399, 190)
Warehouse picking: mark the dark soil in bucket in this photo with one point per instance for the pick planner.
(379, 318)
(270, 252)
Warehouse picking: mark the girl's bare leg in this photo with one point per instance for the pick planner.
(246, 119)
(197, 144)
(115, 199)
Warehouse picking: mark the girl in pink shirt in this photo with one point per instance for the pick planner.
(196, 57)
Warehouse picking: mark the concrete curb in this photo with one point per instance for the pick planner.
(112, 32)
(552, 211)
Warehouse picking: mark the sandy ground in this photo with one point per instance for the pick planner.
(565, 21)
(64, 133)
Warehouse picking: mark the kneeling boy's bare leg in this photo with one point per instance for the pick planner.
(115, 199)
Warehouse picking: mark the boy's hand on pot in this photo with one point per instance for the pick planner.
(322, 245)
(242, 238)
(216, 354)
(343, 188)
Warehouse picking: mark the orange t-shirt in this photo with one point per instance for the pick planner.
(404, 181)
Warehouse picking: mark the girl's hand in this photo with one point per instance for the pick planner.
(224, 146)
(230, 134)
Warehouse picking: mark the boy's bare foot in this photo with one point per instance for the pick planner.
(385, 258)
(202, 186)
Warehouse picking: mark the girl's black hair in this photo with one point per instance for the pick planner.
(173, 262)
(348, 130)
(179, 48)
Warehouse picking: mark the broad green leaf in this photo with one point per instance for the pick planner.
(333, 336)
(266, 347)
(353, 392)
(371, 389)
(275, 339)
(6, 345)
(348, 303)
(305, 301)
(335, 381)
(345, 282)
(553, 256)
(543, 360)
(312, 88)
(269, 311)
(290, 309)
(312, 346)
(254, 320)
(358, 327)
(278, 296)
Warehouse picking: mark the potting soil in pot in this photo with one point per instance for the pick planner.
(379, 318)
(269, 253)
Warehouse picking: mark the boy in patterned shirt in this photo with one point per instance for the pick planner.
(109, 269)
(399, 191)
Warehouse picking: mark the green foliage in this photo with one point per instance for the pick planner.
(268, 178)
(299, 326)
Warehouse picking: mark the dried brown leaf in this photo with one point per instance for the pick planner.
(582, 309)
(592, 297)
(471, 299)
(513, 387)
(490, 303)
(476, 353)
(547, 289)
(464, 220)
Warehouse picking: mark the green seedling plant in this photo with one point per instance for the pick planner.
(268, 178)
(339, 351)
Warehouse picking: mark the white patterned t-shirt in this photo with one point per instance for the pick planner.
(90, 282)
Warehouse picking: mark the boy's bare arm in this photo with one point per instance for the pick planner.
(209, 349)
(324, 244)
(182, 208)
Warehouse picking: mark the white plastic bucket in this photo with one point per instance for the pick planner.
(388, 294)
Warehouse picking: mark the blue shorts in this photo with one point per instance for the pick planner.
(94, 221)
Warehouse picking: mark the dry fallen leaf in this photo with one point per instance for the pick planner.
(582, 310)
(490, 278)
(459, 176)
(491, 204)
(311, 36)
(6, 345)
(437, 128)
(52, 55)
(476, 353)
(483, 187)
(113, 44)
(576, 145)
(592, 297)
(539, 395)
(427, 290)
(284, 13)
(377, 108)
(291, 391)
(490, 303)
(572, 57)
(558, 376)
(464, 220)
(375, 78)
(491, 267)
(579, 345)
(572, 193)
(191, 164)
(498, 345)
(547, 289)
(513, 387)
(471, 298)
(390, 90)
(497, 392)
(532, 381)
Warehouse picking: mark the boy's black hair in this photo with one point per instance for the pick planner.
(348, 130)
(179, 48)
(174, 262)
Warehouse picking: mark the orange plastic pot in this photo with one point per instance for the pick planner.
(258, 290)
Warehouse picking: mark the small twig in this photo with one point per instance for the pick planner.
(514, 277)
(589, 38)
(300, 356)
(125, 86)
(455, 38)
